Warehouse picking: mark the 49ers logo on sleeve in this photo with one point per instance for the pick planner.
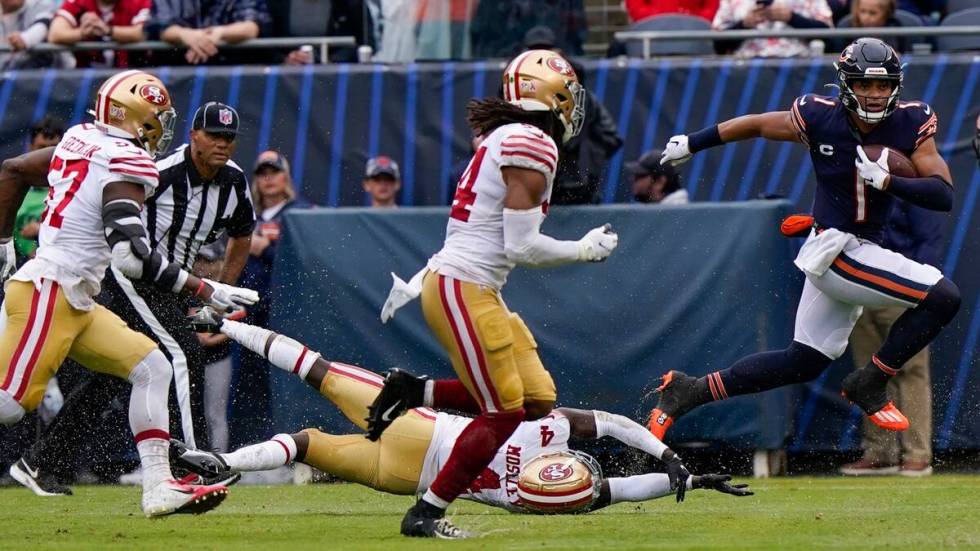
(560, 66)
(153, 94)
(555, 472)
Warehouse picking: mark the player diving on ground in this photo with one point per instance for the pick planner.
(534, 471)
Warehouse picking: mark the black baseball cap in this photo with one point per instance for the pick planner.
(217, 118)
(649, 165)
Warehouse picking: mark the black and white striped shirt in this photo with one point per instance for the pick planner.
(187, 212)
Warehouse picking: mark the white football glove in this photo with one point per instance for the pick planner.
(676, 151)
(401, 293)
(8, 259)
(598, 244)
(873, 173)
(228, 298)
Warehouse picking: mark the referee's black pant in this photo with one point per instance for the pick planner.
(161, 316)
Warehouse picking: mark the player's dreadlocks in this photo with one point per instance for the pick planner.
(486, 115)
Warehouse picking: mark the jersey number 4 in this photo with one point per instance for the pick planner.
(465, 196)
(70, 172)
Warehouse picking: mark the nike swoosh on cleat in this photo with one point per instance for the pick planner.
(30, 471)
(386, 416)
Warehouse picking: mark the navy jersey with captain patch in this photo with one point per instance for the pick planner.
(841, 200)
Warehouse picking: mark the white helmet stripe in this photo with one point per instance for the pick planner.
(102, 101)
(512, 71)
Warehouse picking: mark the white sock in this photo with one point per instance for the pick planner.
(155, 460)
(279, 451)
(285, 353)
(427, 395)
(432, 499)
(641, 487)
(148, 416)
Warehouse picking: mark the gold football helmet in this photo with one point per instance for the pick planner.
(559, 482)
(136, 105)
(542, 80)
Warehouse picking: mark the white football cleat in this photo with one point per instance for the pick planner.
(170, 497)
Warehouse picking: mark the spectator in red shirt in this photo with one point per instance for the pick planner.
(641, 9)
(109, 20)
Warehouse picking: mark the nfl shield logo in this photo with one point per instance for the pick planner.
(225, 117)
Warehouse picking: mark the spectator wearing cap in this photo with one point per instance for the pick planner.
(656, 183)
(202, 26)
(274, 195)
(109, 20)
(584, 158)
(382, 180)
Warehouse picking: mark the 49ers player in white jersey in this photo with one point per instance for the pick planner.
(99, 175)
(501, 200)
(533, 471)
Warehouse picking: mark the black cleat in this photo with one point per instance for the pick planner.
(678, 395)
(41, 484)
(210, 466)
(866, 388)
(426, 521)
(401, 392)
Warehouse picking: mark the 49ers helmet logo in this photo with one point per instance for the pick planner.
(560, 66)
(555, 472)
(153, 94)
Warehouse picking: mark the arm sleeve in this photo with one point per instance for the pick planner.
(641, 487)
(628, 432)
(524, 243)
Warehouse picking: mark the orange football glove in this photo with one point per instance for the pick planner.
(796, 225)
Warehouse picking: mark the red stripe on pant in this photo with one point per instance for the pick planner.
(24, 337)
(35, 352)
(475, 342)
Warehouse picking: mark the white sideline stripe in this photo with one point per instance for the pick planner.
(178, 363)
(36, 326)
(470, 344)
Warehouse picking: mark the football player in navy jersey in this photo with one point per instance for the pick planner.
(846, 268)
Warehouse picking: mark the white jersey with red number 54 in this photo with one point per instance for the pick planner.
(497, 484)
(72, 247)
(474, 247)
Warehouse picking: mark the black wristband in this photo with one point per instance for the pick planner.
(704, 138)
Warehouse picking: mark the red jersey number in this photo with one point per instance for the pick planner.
(72, 171)
(465, 196)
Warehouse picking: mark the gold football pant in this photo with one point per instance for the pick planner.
(41, 329)
(491, 349)
(392, 464)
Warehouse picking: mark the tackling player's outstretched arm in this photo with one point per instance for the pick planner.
(17, 175)
(523, 241)
(774, 125)
(131, 254)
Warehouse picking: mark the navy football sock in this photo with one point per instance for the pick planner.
(764, 371)
(916, 328)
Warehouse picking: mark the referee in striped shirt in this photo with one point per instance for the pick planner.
(202, 194)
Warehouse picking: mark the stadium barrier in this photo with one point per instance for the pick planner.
(329, 119)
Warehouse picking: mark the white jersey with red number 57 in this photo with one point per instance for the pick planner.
(72, 247)
(497, 484)
(474, 247)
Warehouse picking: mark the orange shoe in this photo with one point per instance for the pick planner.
(890, 418)
(678, 395)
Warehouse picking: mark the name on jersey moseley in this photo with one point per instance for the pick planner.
(74, 145)
(513, 460)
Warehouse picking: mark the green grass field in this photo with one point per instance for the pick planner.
(788, 513)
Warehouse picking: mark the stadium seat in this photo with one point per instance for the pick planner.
(671, 22)
(953, 6)
(308, 17)
(965, 42)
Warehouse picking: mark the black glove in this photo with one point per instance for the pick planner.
(720, 483)
(677, 473)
